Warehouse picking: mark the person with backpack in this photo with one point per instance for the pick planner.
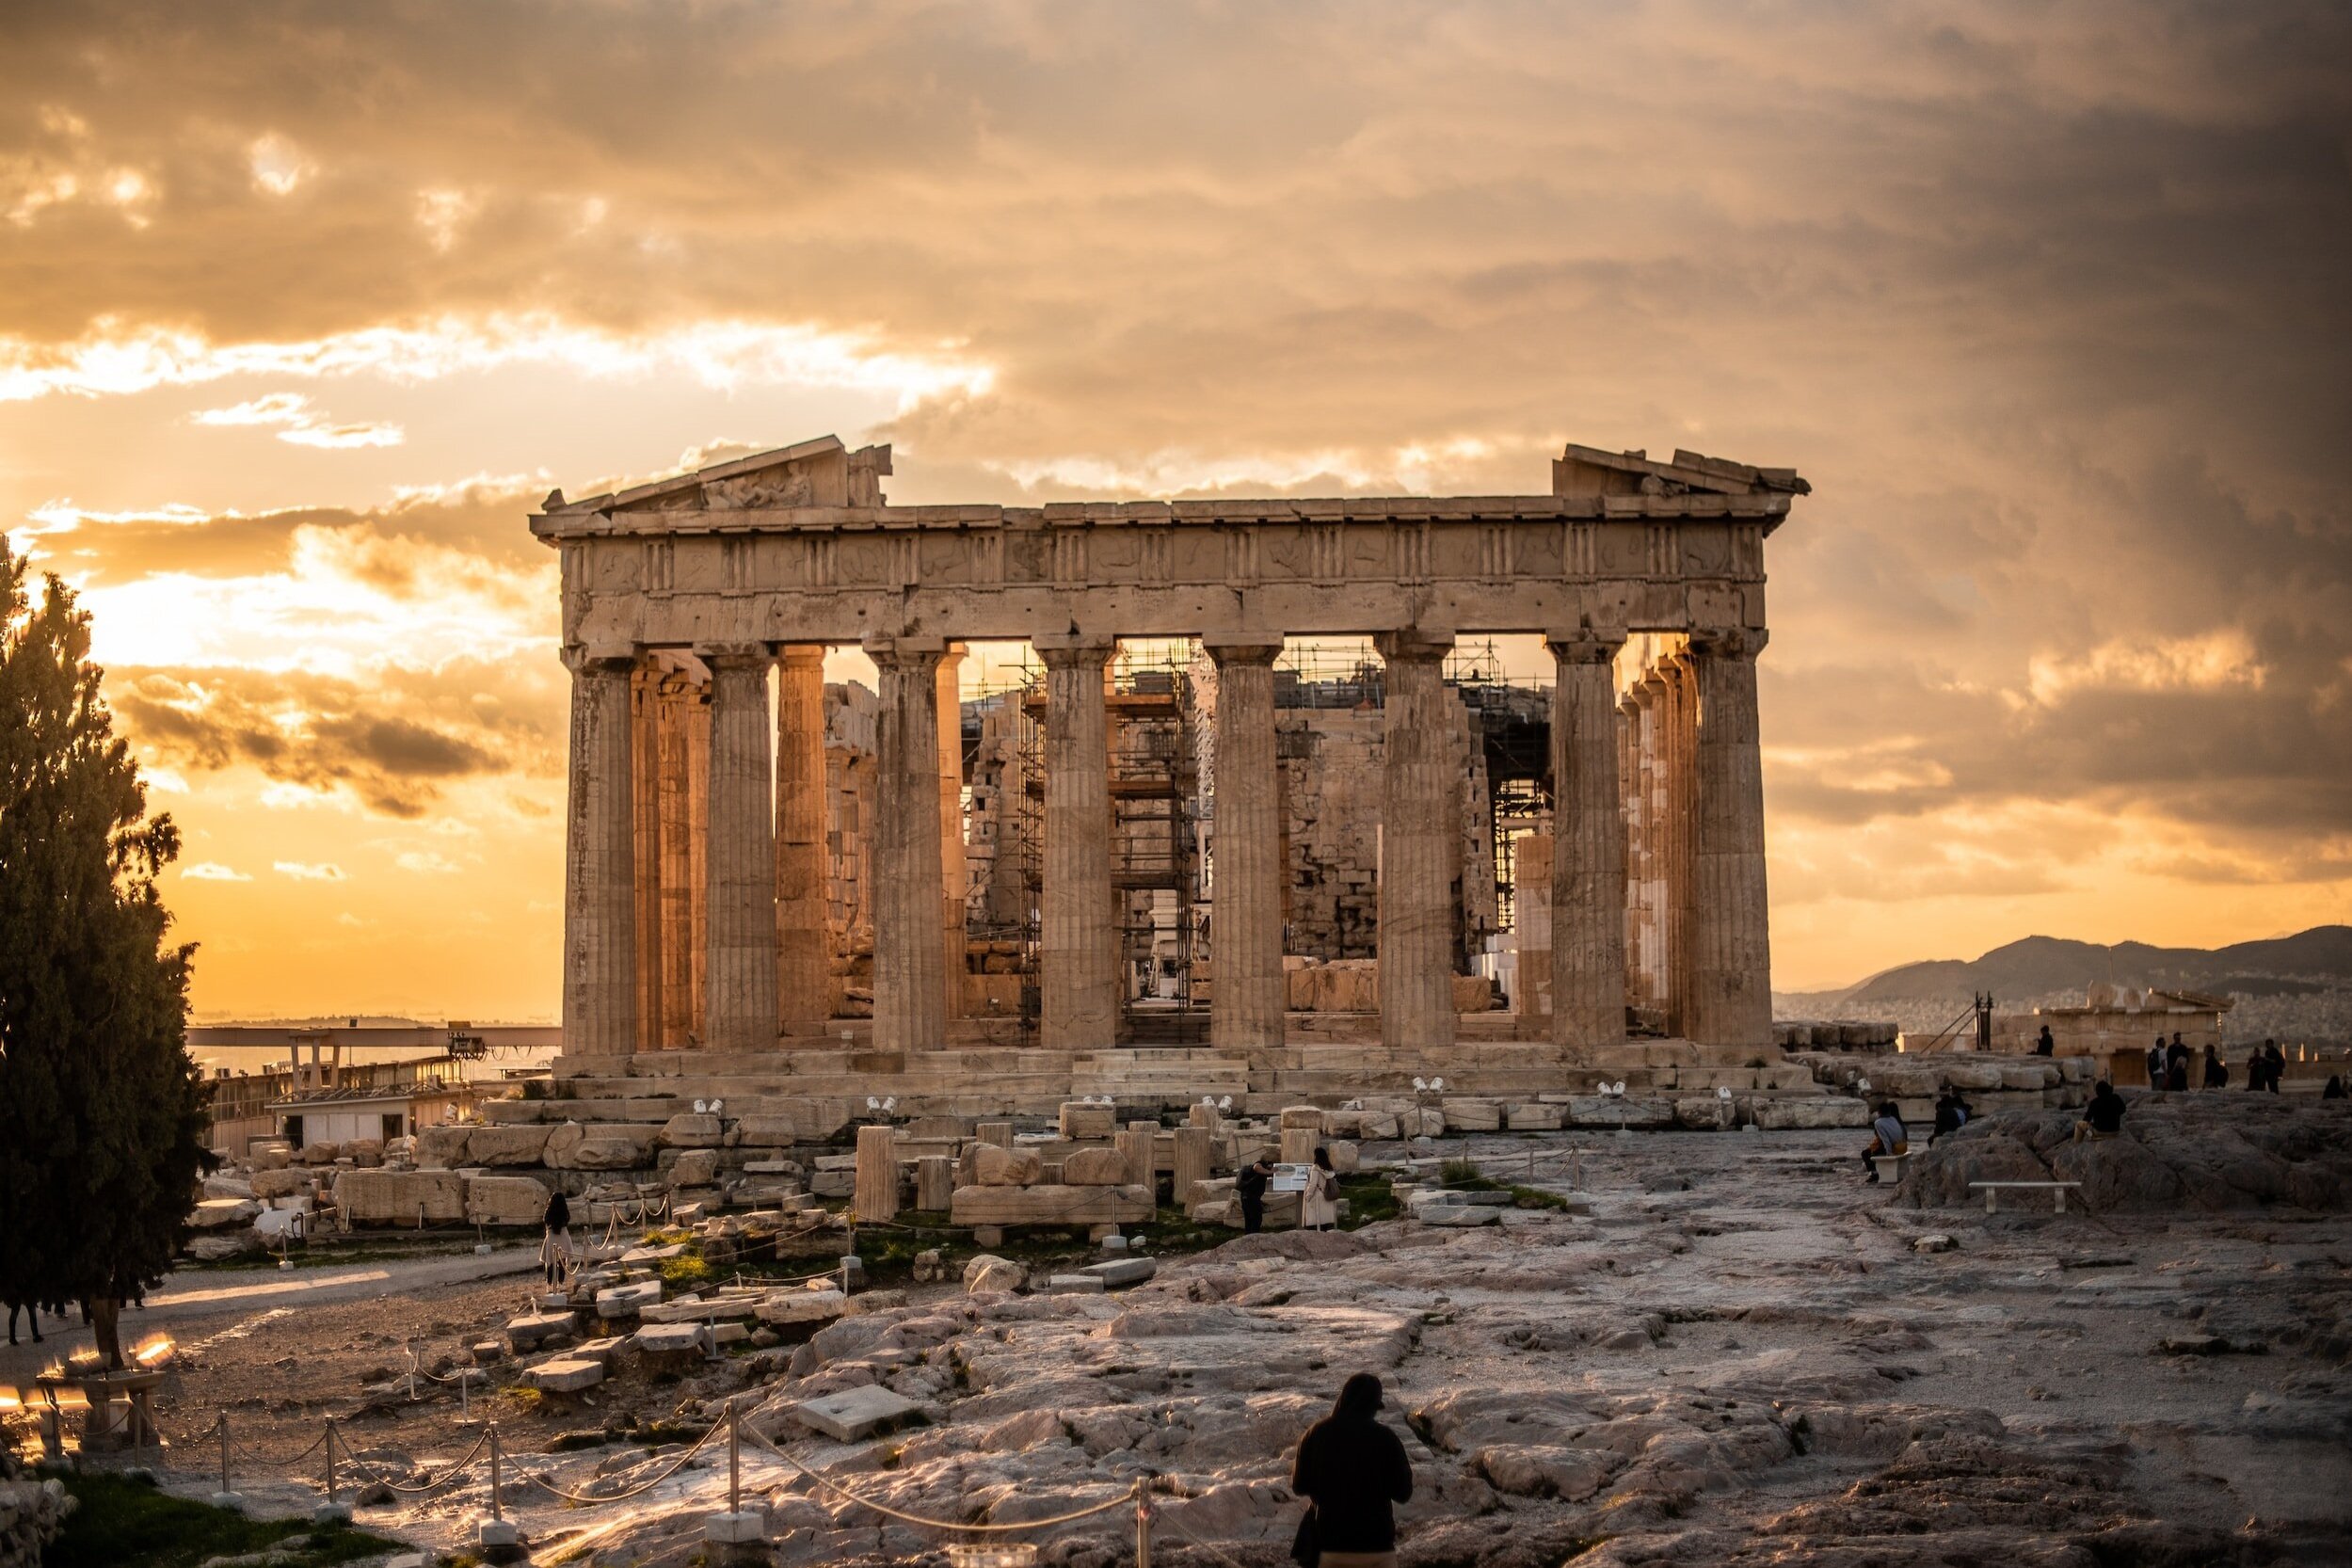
(1319, 1206)
(1250, 1187)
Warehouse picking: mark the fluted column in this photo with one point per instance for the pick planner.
(954, 873)
(1419, 827)
(1731, 992)
(1681, 708)
(1631, 826)
(1245, 941)
(1649, 956)
(1588, 847)
(1079, 957)
(599, 865)
(680, 960)
(698, 857)
(803, 935)
(739, 970)
(909, 991)
(645, 815)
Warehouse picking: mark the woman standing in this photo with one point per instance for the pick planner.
(1351, 1469)
(1319, 1206)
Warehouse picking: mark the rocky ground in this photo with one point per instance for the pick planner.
(1740, 1354)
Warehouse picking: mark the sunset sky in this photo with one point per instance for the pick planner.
(302, 308)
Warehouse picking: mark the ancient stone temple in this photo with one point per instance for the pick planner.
(736, 872)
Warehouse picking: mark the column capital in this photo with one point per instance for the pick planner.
(1071, 649)
(1586, 644)
(1413, 643)
(907, 652)
(583, 656)
(801, 655)
(1242, 647)
(735, 656)
(1728, 642)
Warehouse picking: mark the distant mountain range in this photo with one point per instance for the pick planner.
(2309, 962)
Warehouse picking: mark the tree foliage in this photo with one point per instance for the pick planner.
(101, 1112)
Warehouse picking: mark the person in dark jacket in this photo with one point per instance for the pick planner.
(1951, 1115)
(2254, 1070)
(2274, 1065)
(2043, 1043)
(2333, 1092)
(2216, 1070)
(2176, 1064)
(2103, 1116)
(555, 1247)
(1353, 1470)
(1250, 1186)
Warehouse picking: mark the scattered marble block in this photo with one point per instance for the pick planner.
(723, 1334)
(1458, 1214)
(486, 1352)
(797, 1308)
(735, 1530)
(564, 1375)
(856, 1414)
(642, 1257)
(1051, 1206)
(1117, 1271)
(627, 1301)
(671, 1345)
(537, 1330)
(1074, 1285)
(834, 1184)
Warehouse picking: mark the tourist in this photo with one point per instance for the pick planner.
(2103, 1116)
(32, 1311)
(2216, 1070)
(2176, 1064)
(1250, 1186)
(2274, 1065)
(2333, 1092)
(2156, 1064)
(1886, 1137)
(1351, 1470)
(2254, 1071)
(556, 1246)
(1319, 1206)
(1951, 1115)
(2044, 1045)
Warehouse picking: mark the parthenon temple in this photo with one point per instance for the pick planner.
(1259, 819)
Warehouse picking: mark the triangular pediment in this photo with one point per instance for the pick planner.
(1584, 471)
(819, 472)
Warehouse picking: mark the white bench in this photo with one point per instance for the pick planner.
(1878, 1163)
(2057, 1190)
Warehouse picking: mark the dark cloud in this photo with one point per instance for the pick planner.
(395, 742)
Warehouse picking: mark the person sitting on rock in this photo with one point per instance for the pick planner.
(1352, 1470)
(1951, 1115)
(2216, 1070)
(2103, 1116)
(2043, 1043)
(1886, 1137)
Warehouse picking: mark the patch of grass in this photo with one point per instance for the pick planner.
(1369, 1200)
(122, 1521)
(1464, 1173)
(687, 1272)
(1535, 1198)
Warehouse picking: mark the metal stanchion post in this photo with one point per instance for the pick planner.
(734, 1461)
(1143, 1525)
(500, 1541)
(330, 1462)
(412, 1371)
(225, 1498)
(495, 1507)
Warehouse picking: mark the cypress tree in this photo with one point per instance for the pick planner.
(101, 1112)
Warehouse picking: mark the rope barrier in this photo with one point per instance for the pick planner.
(1163, 1516)
(1129, 1495)
(638, 1489)
(254, 1456)
(377, 1478)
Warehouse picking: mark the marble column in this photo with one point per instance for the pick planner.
(909, 990)
(645, 817)
(681, 961)
(1245, 938)
(698, 855)
(1731, 990)
(1650, 781)
(803, 934)
(1629, 812)
(1681, 706)
(954, 871)
(1588, 847)
(599, 861)
(1079, 953)
(1420, 826)
(739, 970)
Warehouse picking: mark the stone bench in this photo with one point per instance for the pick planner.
(2056, 1189)
(1879, 1162)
